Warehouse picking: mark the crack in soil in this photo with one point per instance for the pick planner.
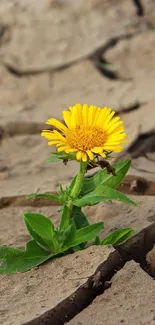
(22, 128)
(107, 69)
(20, 200)
(135, 248)
(22, 72)
(112, 42)
(140, 8)
(144, 143)
(130, 108)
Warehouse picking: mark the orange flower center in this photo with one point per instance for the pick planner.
(85, 138)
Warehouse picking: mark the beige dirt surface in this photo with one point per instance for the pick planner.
(126, 302)
(27, 295)
(53, 54)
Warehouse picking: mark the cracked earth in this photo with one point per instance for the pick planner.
(52, 55)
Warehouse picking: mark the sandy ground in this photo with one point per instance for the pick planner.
(53, 55)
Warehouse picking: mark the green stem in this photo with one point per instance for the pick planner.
(77, 186)
(67, 210)
(78, 182)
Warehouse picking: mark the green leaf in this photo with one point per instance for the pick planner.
(14, 260)
(97, 241)
(40, 228)
(84, 234)
(60, 190)
(41, 242)
(69, 234)
(72, 183)
(65, 217)
(103, 178)
(80, 219)
(57, 156)
(46, 195)
(117, 236)
(102, 193)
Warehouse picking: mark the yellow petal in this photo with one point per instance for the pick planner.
(54, 122)
(114, 126)
(54, 142)
(102, 154)
(103, 115)
(78, 106)
(53, 135)
(97, 149)
(59, 136)
(90, 154)
(78, 116)
(114, 120)
(67, 118)
(79, 155)
(91, 114)
(84, 157)
(97, 116)
(73, 117)
(115, 138)
(85, 114)
(47, 134)
(114, 148)
(108, 119)
(62, 148)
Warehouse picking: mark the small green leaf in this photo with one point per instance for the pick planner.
(97, 241)
(117, 236)
(80, 221)
(45, 195)
(84, 234)
(41, 242)
(65, 217)
(57, 156)
(102, 193)
(60, 190)
(14, 260)
(103, 178)
(40, 226)
(69, 234)
(72, 183)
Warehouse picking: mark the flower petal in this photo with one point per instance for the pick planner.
(90, 154)
(103, 115)
(102, 154)
(97, 149)
(67, 118)
(73, 117)
(79, 155)
(91, 115)
(85, 114)
(54, 122)
(84, 157)
(47, 134)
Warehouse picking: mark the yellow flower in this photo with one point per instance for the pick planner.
(89, 130)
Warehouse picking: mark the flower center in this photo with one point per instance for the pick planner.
(86, 138)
